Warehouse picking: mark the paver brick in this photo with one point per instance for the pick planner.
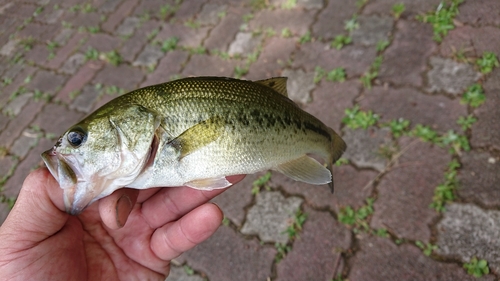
(299, 85)
(33, 160)
(28, 139)
(128, 26)
(108, 6)
(73, 63)
(405, 192)
(80, 79)
(81, 20)
(412, 7)
(450, 76)
(228, 256)
(38, 55)
(479, 13)
(7, 165)
(270, 217)
(317, 250)
(210, 13)
(223, 34)
(85, 100)
(467, 231)
(50, 15)
(56, 119)
(101, 42)
(296, 20)
(405, 59)
(13, 108)
(19, 81)
(244, 43)
(17, 125)
(20, 9)
(267, 65)
(188, 9)
(354, 59)
(203, 65)
(178, 273)
(46, 82)
(441, 113)
(114, 76)
(488, 117)
(330, 22)
(474, 40)
(372, 29)
(149, 57)
(479, 178)
(119, 14)
(329, 101)
(365, 146)
(352, 187)
(4, 212)
(380, 259)
(168, 66)
(65, 51)
(187, 36)
(242, 192)
(133, 45)
(152, 7)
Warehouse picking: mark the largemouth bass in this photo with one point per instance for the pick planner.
(193, 132)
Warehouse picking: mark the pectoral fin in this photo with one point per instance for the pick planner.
(209, 184)
(198, 136)
(277, 83)
(307, 170)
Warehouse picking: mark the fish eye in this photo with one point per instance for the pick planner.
(76, 137)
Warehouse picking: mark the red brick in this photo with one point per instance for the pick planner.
(16, 83)
(50, 121)
(31, 162)
(17, 125)
(114, 76)
(80, 79)
(65, 51)
(170, 65)
(114, 19)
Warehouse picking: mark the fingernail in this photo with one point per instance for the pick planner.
(123, 209)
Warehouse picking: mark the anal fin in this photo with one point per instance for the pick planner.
(209, 184)
(305, 169)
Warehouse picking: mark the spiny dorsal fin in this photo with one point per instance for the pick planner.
(199, 136)
(305, 169)
(277, 83)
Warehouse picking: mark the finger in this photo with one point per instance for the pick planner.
(39, 209)
(171, 203)
(145, 194)
(173, 239)
(115, 208)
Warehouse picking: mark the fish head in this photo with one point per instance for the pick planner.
(102, 153)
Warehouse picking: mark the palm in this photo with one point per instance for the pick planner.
(38, 241)
(117, 254)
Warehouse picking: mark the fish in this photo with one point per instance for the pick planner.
(192, 132)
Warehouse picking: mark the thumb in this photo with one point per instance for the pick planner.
(39, 209)
(115, 208)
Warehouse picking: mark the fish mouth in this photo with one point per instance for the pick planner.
(75, 201)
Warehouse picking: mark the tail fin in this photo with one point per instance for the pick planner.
(337, 149)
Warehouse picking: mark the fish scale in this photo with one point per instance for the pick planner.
(194, 132)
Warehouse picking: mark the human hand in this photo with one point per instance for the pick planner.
(39, 241)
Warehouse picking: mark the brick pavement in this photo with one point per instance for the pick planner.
(59, 60)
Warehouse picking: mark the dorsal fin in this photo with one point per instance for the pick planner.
(276, 83)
